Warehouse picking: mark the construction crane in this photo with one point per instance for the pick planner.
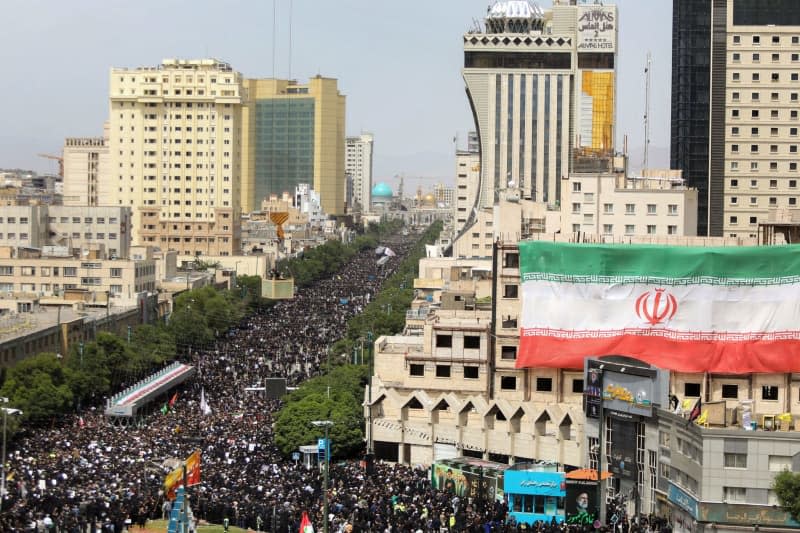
(56, 158)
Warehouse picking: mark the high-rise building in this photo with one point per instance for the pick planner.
(293, 134)
(541, 85)
(358, 166)
(735, 109)
(691, 78)
(86, 162)
(174, 139)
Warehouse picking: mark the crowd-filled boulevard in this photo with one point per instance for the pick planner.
(82, 474)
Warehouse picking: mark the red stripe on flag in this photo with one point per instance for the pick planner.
(744, 357)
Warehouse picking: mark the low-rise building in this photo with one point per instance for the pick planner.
(31, 272)
(613, 206)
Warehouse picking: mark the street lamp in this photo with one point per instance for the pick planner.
(6, 411)
(325, 424)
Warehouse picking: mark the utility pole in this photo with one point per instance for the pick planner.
(326, 466)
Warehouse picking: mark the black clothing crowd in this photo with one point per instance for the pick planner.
(83, 474)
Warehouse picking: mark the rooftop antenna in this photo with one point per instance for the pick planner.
(647, 69)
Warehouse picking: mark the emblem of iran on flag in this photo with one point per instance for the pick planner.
(686, 309)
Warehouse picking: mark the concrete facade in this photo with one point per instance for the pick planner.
(358, 166)
(613, 206)
(86, 169)
(175, 139)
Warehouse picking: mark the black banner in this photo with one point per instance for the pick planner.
(623, 445)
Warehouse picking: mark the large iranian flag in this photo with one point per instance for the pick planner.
(687, 309)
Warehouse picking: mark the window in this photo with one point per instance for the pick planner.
(472, 342)
(773, 200)
(672, 209)
(576, 207)
(629, 229)
(735, 148)
(508, 353)
(754, 132)
(734, 494)
(769, 392)
(756, 58)
(116, 272)
(544, 384)
(737, 57)
(510, 291)
(512, 260)
(608, 209)
(792, 184)
(734, 183)
(416, 370)
(736, 76)
(70, 272)
(734, 219)
(672, 230)
(737, 39)
(508, 383)
(753, 220)
(755, 97)
(779, 463)
(577, 386)
(753, 165)
(630, 209)
(730, 392)
(651, 229)
(735, 98)
(756, 76)
(6, 270)
(773, 184)
(442, 371)
(576, 186)
(470, 372)
(735, 460)
(444, 341)
(754, 148)
(776, 39)
(756, 39)
(651, 209)
(692, 390)
(608, 229)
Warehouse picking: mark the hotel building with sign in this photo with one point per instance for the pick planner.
(541, 85)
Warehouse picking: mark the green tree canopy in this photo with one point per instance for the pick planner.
(311, 402)
(40, 386)
(787, 487)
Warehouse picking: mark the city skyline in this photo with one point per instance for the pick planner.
(418, 48)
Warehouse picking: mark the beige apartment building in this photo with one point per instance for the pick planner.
(175, 135)
(54, 275)
(358, 168)
(761, 121)
(614, 206)
(86, 169)
(291, 134)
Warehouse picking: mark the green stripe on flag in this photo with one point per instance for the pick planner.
(621, 263)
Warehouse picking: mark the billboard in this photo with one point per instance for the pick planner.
(581, 506)
(597, 28)
(467, 478)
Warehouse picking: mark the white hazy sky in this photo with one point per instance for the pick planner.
(399, 63)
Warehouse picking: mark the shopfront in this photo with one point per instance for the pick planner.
(685, 509)
(535, 495)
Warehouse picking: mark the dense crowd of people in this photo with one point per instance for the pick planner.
(84, 474)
